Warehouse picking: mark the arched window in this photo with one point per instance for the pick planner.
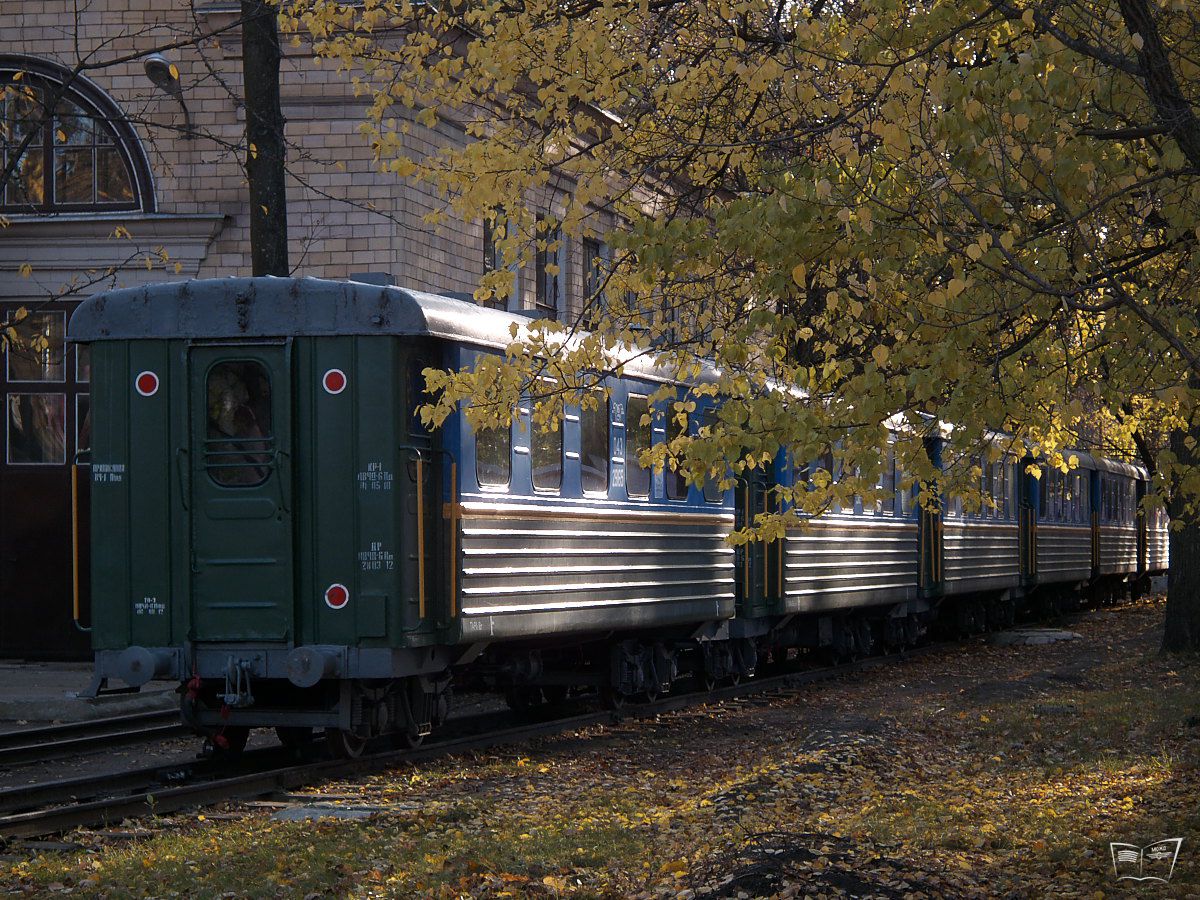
(66, 147)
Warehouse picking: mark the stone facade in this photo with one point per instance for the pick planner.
(345, 217)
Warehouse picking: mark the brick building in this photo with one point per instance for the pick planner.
(127, 173)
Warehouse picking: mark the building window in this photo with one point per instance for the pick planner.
(491, 252)
(36, 351)
(593, 272)
(547, 269)
(83, 423)
(494, 228)
(37, 429)
(68, 146)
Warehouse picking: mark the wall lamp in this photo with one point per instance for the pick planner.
(166, 78)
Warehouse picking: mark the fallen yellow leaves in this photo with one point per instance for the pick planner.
(850, 787)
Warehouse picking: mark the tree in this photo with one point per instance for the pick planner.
(983, 212)
(266, 172)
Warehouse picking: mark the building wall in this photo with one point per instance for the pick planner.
(344, 216)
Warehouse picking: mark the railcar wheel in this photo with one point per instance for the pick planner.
(345, 744)
(294, 737)
(406, 740)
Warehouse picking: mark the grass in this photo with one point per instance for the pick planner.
(387, 855)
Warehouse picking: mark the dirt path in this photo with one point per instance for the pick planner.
(981, 771)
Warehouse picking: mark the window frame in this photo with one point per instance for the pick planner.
(61, 397)
(488, 486)
(675, 486)
(547, 288)
(633, 424)
(61, 84)
(268, 440)
(63, 352)
(709, 418)
(603, 409)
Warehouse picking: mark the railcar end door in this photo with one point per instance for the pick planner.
(240, 492)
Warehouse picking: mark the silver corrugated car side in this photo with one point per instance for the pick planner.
(841, 561)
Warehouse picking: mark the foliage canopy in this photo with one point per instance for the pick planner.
(982, 212)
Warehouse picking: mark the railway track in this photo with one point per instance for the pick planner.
(58, 741)
(58, 806)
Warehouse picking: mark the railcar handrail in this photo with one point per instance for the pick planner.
(76, 612)
(183, 475)
(419, 453)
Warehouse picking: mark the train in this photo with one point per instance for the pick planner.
(275, 530)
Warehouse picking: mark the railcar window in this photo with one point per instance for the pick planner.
(593, 447)
(712, 483)
(546, 457)
(676, 485)
(885, 504)
(989, 490)
(826, 462)
(712, 489)
(637, 439)
(493, 457)
(239, 449)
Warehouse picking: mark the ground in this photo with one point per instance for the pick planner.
(973, 771)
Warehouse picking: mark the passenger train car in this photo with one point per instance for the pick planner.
(274, 529)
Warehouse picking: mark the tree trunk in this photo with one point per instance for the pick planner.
(264, 137)
(1181, 630)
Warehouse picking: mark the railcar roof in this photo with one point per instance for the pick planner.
(269, 307)
(283, 307)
